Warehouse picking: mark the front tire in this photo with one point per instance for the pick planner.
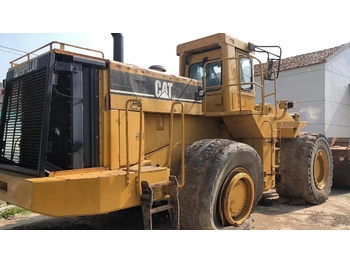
(306, 168)
(224, 181)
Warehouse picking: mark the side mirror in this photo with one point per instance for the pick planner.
(274, 61)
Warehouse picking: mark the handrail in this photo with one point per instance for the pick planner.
(273, 144)
(138, 178)
(239, 80)
(182, 140)
(274, 91)
(62, 47)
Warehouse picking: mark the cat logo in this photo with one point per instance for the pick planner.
(163, 89)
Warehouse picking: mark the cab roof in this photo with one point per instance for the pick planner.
(211, 42)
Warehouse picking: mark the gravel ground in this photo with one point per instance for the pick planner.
(334, 214)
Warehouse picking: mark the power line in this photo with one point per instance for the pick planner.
(14, 49)
(10, 52)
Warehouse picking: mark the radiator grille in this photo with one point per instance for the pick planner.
(24, 119)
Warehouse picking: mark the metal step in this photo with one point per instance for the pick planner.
(151, 193)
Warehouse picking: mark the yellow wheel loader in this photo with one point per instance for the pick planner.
(85, 135)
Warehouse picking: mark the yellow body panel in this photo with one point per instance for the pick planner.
(155, 105)
(157, 130)
(115, 141)
(83, 193)
(134, 136)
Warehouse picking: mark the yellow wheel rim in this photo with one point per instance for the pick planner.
(238, 197)
(321, 169)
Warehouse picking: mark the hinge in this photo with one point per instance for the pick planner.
(138, 136)
(107, 102)
(54, 79)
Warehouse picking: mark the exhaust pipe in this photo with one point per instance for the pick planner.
(118, 47)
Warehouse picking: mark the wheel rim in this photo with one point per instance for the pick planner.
(321, 169)
(238, 197)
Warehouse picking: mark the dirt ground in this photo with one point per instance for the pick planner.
(332, 215)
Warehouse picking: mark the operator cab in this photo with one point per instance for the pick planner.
(225, 66)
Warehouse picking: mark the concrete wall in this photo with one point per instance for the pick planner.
(337, 94)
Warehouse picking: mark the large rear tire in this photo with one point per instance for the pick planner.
(224, 181)
(306, 168)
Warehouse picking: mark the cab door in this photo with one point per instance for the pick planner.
(211, 77)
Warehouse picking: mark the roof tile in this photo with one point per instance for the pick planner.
(302, 60)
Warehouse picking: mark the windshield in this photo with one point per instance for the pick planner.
(213, 73)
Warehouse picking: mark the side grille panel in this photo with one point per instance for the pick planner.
(24, 119)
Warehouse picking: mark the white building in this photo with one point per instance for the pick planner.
(320, 84)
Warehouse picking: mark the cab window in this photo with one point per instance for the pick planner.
(196, 71)
(246, 71)
(212, 73)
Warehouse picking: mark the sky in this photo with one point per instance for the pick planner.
(152, 29)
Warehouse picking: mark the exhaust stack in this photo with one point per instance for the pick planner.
(118, 47)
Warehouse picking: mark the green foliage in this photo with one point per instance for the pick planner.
(10, 212)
